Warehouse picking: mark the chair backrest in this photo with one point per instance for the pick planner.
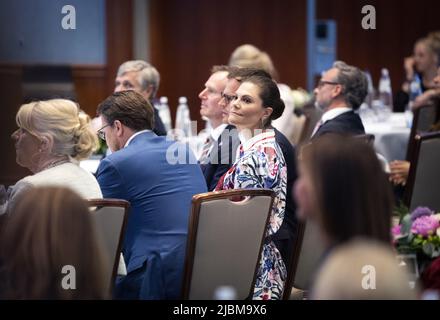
(313, 115)
(300, 124)
(110, 217)
(306, 255)
(225, 238)
(423, 182)
(424, 117)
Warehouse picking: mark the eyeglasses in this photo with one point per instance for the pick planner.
(228, 98)
(101, 133)
(321, 83)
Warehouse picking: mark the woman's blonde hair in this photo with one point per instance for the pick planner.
(432, 42)
(62, 122)
(249, 56)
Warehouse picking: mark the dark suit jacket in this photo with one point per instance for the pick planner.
(285, 236)
(222, 157)
(159, 128)
(346, 123)
(160, 194)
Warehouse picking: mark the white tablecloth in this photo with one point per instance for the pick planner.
(391, 136)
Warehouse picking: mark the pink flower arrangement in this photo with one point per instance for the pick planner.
(425, 225)
(418, 232)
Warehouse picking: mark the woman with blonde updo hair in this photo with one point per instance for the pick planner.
(249, 56)
(51, 137)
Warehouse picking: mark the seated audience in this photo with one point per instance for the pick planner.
(260, 164)
(140, 171)
(344, 191)
(339, 93)
(51, 137)
(49, 248)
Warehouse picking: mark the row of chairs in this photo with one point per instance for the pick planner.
(215, 258)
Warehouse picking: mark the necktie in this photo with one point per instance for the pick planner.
(204, 156)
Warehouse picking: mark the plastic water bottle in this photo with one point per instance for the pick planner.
(183, 120)
(164, 113)
(385, 93)
(415, 89)
(370, 96)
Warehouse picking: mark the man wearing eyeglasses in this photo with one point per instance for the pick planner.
(340, 92)
(219, 149)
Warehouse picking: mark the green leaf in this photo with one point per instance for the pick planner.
(406, 224)
(428, 249)
(401, 210)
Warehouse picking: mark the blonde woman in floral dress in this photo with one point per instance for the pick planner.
(260, 164)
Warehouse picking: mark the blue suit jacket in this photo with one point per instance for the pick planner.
(222, 157)
(160, 194)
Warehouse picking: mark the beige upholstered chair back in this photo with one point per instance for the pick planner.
(110, 217)
(300, 124)
(424, 177)
(225, 238)
(313, 115)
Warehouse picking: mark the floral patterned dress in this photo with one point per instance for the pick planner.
(260, 164)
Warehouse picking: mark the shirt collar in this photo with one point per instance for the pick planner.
(249, 143)
(216, 133)
(333, 113)
(134, 135)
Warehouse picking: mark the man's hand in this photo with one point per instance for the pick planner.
(399, 172)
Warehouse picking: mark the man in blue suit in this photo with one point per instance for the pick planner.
(160, 192)
(340, 92)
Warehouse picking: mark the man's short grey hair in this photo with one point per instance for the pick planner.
(354, 84)
(148, 75)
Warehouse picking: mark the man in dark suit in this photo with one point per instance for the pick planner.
(141, 171)
(340, 92)
(285, 237)
(143, 78)
(218, 152)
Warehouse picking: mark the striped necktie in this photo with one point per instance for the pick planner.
(204, 156)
